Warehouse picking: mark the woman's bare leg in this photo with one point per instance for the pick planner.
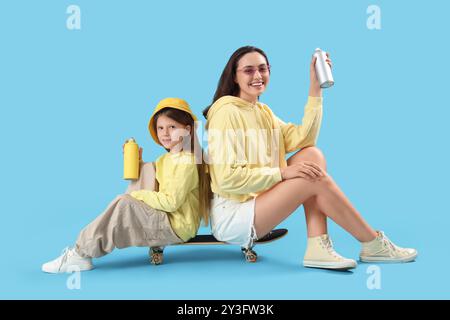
(316, 221)
(277, 203)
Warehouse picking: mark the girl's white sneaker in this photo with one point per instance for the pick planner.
(68, 261)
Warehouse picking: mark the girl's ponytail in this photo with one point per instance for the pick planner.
(204, 191)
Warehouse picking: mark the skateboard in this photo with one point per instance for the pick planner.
(156, 253)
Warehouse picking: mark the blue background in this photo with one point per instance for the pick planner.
(69, 99)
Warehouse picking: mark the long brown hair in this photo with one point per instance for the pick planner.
(205, 192)
(227, 85)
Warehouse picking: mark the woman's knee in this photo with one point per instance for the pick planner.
(313, 154)
(317, 155)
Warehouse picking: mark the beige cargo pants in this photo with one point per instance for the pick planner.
(127, 222)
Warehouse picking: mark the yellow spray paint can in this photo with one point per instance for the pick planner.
(131, 160)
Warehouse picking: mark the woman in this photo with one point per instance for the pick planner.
(254, 193)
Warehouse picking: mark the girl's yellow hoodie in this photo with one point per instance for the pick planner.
(247, 144)
(178, 193)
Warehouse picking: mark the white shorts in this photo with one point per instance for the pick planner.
(233, 221)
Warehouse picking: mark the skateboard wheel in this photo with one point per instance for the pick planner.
(156, 256)
(250, 255)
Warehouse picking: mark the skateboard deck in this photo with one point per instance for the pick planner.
(208, 239)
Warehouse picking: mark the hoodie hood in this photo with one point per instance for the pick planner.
(225, 100)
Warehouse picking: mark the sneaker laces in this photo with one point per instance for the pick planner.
(65, 254)
(389, 245)
(328, 245)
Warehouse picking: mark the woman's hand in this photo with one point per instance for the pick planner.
(305, 169)
(140, 152)
(314, 88)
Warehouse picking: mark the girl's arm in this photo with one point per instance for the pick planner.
(178, 180)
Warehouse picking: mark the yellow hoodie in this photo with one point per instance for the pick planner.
(247, 144)
(178, 193)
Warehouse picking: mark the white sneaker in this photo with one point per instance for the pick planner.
(381, 249)
(68, 261)
(321, 254)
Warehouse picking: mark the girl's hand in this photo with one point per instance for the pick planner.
(305, 169)
(140, 152)
(314, 89)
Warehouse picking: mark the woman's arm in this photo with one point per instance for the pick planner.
(305, 134)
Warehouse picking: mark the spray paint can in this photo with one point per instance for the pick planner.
(323, 70)
(131, 160)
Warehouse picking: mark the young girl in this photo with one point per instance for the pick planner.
(146, 218)
(253, 194)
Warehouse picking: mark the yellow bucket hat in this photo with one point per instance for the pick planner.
(175, 103)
